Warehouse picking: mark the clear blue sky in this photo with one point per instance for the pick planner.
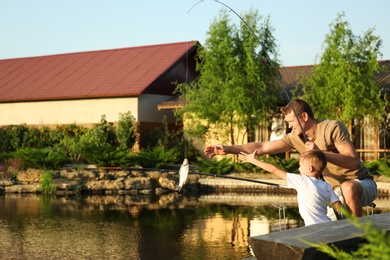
(42, 27)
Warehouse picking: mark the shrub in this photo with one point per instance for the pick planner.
(290, 165)
(126, 131)
(104, 154)
(47, 186)
(214, 166)
(171, 139)
(379, 167)
(41, 158)
(158, 157)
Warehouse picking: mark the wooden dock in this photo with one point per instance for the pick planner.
(288, 244)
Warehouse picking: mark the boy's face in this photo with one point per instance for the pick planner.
(305, 167)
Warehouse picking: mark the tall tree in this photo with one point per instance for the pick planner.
(237, 87)
(343, 85)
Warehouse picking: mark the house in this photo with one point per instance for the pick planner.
(370, 142)
(81, 87)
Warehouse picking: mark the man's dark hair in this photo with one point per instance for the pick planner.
(300, 107)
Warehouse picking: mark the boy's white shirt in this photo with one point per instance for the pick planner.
(313, 197)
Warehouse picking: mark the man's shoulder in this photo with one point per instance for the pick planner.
(330, 124)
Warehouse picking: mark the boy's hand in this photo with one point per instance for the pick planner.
(247, 157)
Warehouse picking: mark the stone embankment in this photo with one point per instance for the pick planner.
(138, 181)
(120, 182)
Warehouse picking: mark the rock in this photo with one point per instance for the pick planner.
(95, 186)
(115, 182)
(114, 185)
(29, 176)
(168, 181)
(25, 188)
(140, 183)
(63, 184)
(7, 182)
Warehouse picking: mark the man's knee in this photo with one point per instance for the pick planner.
(351, 189)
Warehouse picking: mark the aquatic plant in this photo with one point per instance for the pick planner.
(47, 186)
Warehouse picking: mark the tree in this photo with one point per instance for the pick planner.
(237, 87)
(343, 85)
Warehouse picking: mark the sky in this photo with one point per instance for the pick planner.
(45, 27)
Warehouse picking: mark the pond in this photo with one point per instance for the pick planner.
(134, 227)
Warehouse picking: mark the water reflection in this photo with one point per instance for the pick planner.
(128, 227)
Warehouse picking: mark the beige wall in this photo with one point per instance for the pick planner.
(67, 111)
(143, 108)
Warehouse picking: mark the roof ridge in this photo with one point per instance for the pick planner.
(103, 50)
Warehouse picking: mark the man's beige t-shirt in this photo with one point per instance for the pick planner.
(328, 135)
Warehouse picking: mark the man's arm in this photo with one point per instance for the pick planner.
(346, 158)
(270, 147)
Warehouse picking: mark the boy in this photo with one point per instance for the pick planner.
(314, 195)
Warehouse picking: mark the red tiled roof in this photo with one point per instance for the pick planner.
(106, 73)
(292, 75)
(384, 77)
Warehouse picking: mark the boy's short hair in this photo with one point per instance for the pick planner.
(316, 157)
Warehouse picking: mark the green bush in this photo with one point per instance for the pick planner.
(126, 131)
(47, 186)
(290, 165)
(379, 167)
(41, 158)
(246, 167)
(72, 148)
(14, 137)
(171, 139)
(104, 155)
(101, 134)
(158, 157)
(214, 166)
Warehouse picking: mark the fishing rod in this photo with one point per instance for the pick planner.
(184, 171)
(239, 178)
(269, 64)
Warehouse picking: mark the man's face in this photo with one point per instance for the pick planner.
(293, 122)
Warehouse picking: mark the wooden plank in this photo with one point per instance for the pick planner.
(289, 244)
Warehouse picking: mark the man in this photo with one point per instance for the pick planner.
(345, 172)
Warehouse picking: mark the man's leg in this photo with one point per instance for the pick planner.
(352, 192)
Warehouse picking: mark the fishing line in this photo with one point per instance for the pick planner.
(185, 166)
(269, 64)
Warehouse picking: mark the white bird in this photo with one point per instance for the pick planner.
(183, 173)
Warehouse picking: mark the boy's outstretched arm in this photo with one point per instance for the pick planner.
(337, 207)
(265, 166)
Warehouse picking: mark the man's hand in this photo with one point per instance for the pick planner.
(311, 146)
(213, 150)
